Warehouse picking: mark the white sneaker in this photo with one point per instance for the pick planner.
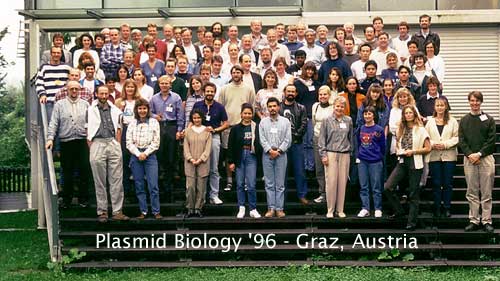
(341, 215)
(241, 213)
(329, 215)
(216, 200)
(363, 213)
(254, 214)
(378, 213)
(320, 199)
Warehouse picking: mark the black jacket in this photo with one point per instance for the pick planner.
(235, 143)
(422, 41)
(298, 120)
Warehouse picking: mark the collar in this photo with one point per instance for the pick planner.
(431, 97)
(404, 38)
(102, 106)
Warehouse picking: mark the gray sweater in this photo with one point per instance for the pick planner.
(335, 135)
(68, 120)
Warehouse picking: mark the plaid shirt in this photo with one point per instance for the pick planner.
(143, 137)
(84, 93)
(111, 57)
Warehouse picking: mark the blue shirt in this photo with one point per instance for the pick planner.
(275, 133)
(216, 111)
(170, 108)
(152, 74)
(326, 66)
(371, 144)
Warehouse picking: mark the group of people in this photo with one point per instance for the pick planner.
(367, 113)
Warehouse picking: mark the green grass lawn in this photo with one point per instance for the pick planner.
(24, 256)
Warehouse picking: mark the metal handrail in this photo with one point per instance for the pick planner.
(48, 152)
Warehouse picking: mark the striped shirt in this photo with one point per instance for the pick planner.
(111, 57)
(50, 79)
(143, 137)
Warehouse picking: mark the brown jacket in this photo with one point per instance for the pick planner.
(197, 146)
(359, 100)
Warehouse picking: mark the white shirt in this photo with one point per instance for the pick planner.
(191, 54)
(316, 54)
(400, 46)
(146, 92)
(358, 69)
(380, 57)
(437, 64)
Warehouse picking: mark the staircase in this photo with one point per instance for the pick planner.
(304, 237)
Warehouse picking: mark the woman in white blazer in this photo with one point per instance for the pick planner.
(443, 133)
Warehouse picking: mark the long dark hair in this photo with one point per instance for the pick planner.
(379, 104)
(340, 84)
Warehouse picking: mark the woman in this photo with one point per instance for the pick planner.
(435, 62)
(335, 146)
(336, 83)
(354, 98)
(86, 57)
(421, 71)
(197, 146)
(143, 140)
(142, 57)
(339, 35)
(87, 43)
(412, 144)
(269, 89)
(140, 80)
(243, 151)
(195, 94)
(153, 67)
(122, 75)
(320, 111)
(126, 103)
(177, 50)
(374, 98)
(283, 77)
(370, 159)
(443, 133)
(388, 95)
(307, 87)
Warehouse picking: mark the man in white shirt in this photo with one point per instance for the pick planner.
(232, 38)
(193, 52)
(259, 40)
(357, 67)
(380, 53)
(400, 42)
(314, 52)
(168, 33)
(279, 50)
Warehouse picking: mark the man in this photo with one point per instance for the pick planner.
(425, 104)
(425, 35)
(112, 53)
(68, 122)
(314, 52)
(301, 32)
(265, 63)
(83, 92)
(349, 31)
(178, 85)
(412, 50)
(280, 32)
(183, 68)
(208, 39)
(136, 35)
(168, 33)
(292, 43)
(125, 38)
(334, 57)
(279, 50)
(215, 122)
(99, 41)
(192, 51)
(400, 43)
(166, 107)
(104, 134)
(57, 41)
(51, 78)
(380, 53)
(89, 80)
(161, 47)
(371, 76)
(259, 40)
(208, 53)
(378, 25)
(217, 30)
(296, 68)
(246, 49)
(128, 61)
(322, 32)
(275, 137)
(217, 77)
(232, 34)
(232, 96)
(114, 94)
(476, 134)
(370, 37)
(358, 67)
(350, 54)
(250, 78)
(404, 73)
(296, 114)
(200, 34)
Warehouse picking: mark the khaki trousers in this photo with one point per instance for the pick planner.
(195, 192)
(336, 180)
(480, 179)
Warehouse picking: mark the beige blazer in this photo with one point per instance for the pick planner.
(449, 138)
(419, 135)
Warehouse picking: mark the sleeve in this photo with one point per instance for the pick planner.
(205, 156)
(321, 74)
(54, 122)
(393, 122)
(105, 57)
(453, 141)
(230, 145)
(489, 145)
(180, 115)
(351, 135)
(40, 83)
(129, 139)
(359, 119)
(155, 142)
(346, 70)
(382, 141)
(187, 149)
(461, 137)
(323, 134)
(287, 141)
(263, 138)
(437, 43)
(303, 122)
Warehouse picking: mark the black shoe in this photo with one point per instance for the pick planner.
(190, 213)
(489, 228)
(447, 213)
(472, 227)
(197, 213)
(410, 227)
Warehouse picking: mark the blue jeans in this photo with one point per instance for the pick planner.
(308, 146)
(246, 172)
(370, 177)
(442, 177)
(274, 178)
(294, 153)
(214, 177)
(150, 168)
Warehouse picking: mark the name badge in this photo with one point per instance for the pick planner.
(343, 125)
(274, 130)
(207, 118)
(169, 108)
(187, 84)
(483, 117)
(153, 78)
(311, 88)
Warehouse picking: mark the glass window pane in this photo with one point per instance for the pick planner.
(198, 3)
(399, 5)
(260, 3)
(68, 4)
(335, 5)
(135, 4)
(468, 5)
